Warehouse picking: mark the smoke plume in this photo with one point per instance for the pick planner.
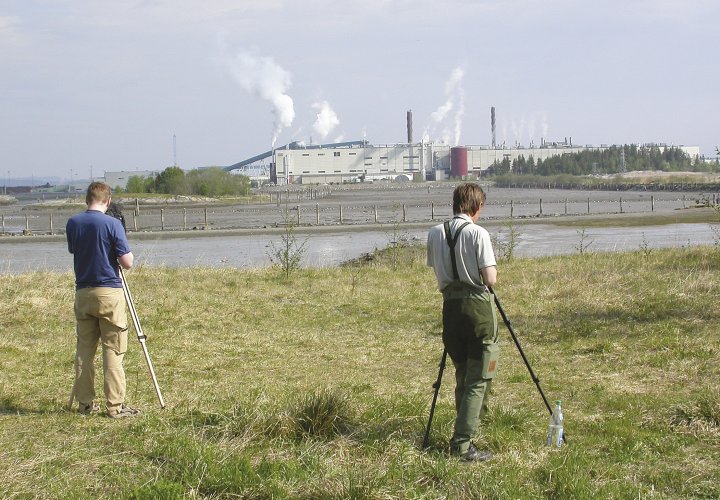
(326, 120)
(264, 78)
(441, 125)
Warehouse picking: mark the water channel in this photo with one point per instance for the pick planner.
(251, 249)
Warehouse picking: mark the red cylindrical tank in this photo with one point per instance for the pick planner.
(458, 162)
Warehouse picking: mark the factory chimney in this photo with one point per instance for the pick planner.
(492, 125)
(409, 126)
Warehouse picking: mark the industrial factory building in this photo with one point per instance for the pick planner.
(359, 161)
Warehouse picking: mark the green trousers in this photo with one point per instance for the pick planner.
(470, 332)
(101, 316)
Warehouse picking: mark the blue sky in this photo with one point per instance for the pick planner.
(104, 85)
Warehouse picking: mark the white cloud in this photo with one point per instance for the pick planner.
(9, 28)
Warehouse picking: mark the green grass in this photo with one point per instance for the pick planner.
(319, 386)
(693, 215)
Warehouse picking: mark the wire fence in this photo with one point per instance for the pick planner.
(327, 213)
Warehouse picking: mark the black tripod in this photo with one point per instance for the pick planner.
(534, 377)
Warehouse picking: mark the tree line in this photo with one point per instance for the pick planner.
(213, 182)
(613, 160)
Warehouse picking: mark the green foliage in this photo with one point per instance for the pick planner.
(289, 252)
(505, 245)
(210, 182)
(216, 182)
(584, 242)
(612, 160)
(139, 184)
(323, 414)
(171, 181)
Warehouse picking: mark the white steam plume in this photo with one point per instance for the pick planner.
(326, 120)
(266, 79)
(455, 100)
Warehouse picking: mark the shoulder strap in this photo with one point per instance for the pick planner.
(451, 243)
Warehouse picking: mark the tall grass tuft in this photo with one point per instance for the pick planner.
(324, 414)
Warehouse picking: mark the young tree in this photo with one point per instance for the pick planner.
(171, 181)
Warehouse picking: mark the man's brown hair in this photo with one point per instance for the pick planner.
(97, 192)
(468, 199)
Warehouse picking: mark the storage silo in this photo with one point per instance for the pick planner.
(458, 161)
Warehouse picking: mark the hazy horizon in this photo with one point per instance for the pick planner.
(141, 85)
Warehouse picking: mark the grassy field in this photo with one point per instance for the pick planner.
(319, 386)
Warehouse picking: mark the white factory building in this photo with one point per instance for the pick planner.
(360, 161)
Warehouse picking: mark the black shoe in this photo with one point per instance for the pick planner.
(475, 455)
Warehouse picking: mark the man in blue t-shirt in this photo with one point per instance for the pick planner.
(98, 244)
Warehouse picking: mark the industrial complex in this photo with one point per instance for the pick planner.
(360, 161)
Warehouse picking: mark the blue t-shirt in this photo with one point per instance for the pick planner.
(96, 241)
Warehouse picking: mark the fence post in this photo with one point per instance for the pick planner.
(162, 219)
(2, 217)
(565, 206)
(184, 219)
(404, 213)
(341, 214)
(621, 207)
(541, 212)
(432, 210)
(27, 224)
(683, 201)
(652, 203)
(375, 210)
(206, 224)
(588, 205)
(51, 224)
(317, 213)
(298, 215)
(512, 208)
(137, 206)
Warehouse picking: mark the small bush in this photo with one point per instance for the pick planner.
(324, 415)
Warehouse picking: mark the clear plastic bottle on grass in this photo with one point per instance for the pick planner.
(555, 427)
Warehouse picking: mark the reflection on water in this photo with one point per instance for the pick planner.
(330, 249)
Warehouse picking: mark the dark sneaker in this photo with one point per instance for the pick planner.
(475, 455)
(122, 412)
(87, 409)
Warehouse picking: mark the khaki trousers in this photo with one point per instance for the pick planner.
(101, 317)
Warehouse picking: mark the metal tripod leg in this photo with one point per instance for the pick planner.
(141, 336)
(522, 354)
(436, 386)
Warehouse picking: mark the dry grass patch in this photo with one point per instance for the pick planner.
(318, 386)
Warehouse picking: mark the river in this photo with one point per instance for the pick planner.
(332, 247)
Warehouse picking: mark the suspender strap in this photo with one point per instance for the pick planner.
(451, 243)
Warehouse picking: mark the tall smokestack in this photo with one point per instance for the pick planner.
(492, 125)
(409, 126)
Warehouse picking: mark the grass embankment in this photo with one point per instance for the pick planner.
(320, 386)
